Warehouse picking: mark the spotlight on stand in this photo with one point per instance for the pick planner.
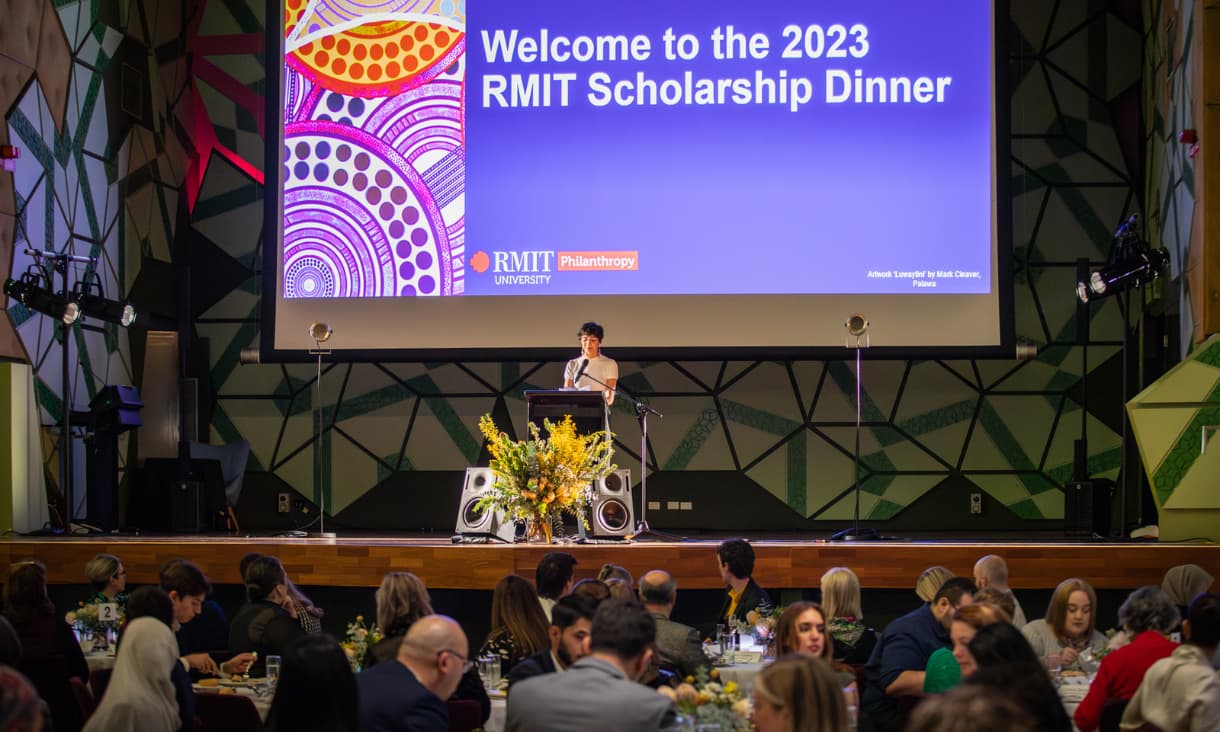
(34, 296)
(95, 305)
(320, 333)
(1132, 263)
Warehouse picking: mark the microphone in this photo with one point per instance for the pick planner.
(584, 364)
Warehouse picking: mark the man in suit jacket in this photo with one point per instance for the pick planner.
(736, 561)
(571, 624)
(599, 693)
(408, 694)
(678, 647)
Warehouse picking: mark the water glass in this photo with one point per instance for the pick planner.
(1054, 665)
(273, 671)
(727, 651)
(489, 671)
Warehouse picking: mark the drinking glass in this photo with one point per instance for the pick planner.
(273, 671)
(726, 645)
(1054, 664)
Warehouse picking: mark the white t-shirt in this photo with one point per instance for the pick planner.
(601, 368)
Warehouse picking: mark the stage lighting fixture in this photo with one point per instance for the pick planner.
(112, 311)
(320, 332)
(29, 293)
(1133, 263)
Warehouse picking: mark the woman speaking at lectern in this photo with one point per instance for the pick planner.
(591, 367)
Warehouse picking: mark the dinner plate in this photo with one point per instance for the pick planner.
(242, 683)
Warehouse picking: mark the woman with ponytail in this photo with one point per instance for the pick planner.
(262, 626)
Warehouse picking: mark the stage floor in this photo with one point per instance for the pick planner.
(783, 561)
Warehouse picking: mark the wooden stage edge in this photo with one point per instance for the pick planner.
(361, 562)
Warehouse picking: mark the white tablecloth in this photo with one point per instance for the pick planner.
(98, 661)
(499, 714)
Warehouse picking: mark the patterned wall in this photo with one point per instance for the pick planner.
(170, 164)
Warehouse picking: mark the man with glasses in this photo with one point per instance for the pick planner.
(409, 693)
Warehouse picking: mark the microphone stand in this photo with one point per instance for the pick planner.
(642, 410)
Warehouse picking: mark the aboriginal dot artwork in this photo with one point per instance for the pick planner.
(373, 164)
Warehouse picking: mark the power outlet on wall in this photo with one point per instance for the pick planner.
(976, 504)
(283, 503)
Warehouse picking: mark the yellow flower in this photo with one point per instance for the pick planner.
(741, 708)
(730, 688)
(359, 618)
(686, 693)
(714, 673)
(668, 692)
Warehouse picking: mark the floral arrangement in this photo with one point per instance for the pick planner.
(88, 618)
(705, 701)
(357, 639)
(538, 478)
(760, 627)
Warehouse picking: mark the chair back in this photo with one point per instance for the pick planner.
(464, 715)
(1112, 714)
(49, 675)
(99, 679)
(84, 698)
(227, 713)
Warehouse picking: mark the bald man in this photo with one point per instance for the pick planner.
(678, 646)
(991, 571)
(409, 693)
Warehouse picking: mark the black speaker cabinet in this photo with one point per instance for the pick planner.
(612, 512)
(472, 520)
(1086, 507)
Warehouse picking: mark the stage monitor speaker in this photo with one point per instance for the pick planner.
(475, 521)
(1086, 507)
(613, 514)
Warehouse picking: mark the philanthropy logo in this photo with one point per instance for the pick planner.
(598, 261)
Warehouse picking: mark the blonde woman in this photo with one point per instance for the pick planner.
(930, 580)
(853, 640)
(1068, 628)
(798, 693)
(108, 577)
(401, 599)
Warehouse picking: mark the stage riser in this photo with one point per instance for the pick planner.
(780, 564)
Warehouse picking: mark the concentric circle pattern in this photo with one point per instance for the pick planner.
(373, 171)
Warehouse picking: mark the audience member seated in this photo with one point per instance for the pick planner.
(43, 632)
(11, 650)
(853, 640)
(991, 572)
(187, 587)
(571, 624)
(594, 589)
(1003, 600)
(152, 602)
(614, 571)
(946, 667)
(1008, 665)
(972, 708)
(316, 689)
(1184, 583)
(619, 588)
(802, 629)
(1182, 692)
(1068, 627)
(896, 668)
(402, 599)
(930, 581)
(108, 578)
(407, 694)
(518, 625)
(598, 693)
(262, 625)
(735, 559)
(1147, 615)
(302, 609)
(21, 709)
(678, 647)
(553, 578)
(140, 696)
(798, 693)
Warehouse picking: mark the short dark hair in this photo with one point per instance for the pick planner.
(553, 574)
(739, 555)
(1001, 644)
(1204, 617)
(572, 608)
(594, 330)
(953, 589)
(622, 627)
(185, 578)
(659, 594)
(317, 689)
(152, 602)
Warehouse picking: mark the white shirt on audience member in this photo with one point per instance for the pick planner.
(1181, 692)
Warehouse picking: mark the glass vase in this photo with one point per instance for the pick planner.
(538, 530)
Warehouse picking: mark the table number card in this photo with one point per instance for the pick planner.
(108, 612)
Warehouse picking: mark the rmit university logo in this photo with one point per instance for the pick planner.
(530, 267)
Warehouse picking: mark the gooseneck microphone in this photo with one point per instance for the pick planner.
(584, 364)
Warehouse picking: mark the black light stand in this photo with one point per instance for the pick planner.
(857, 328)
(320, 333)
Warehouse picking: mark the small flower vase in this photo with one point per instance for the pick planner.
(538, 530)
(101, 638)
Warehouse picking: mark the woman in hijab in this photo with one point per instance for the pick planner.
(1184, 583)
(140, 695)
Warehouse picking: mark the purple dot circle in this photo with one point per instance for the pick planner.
(398, 195)
(407, 291)
(341, 177)
(287, 153)
(360, 181)
(321, 172)
(419, 237)
(301, 170)
(322, 150)
(302, 150)
(403, 248)
(383, 178)
(406, 270)
(410, 215)
(423, 260)
(396, 227)
(426, 284)
(362, 161)
(343, 153)
(386, 212)
(373, 196)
